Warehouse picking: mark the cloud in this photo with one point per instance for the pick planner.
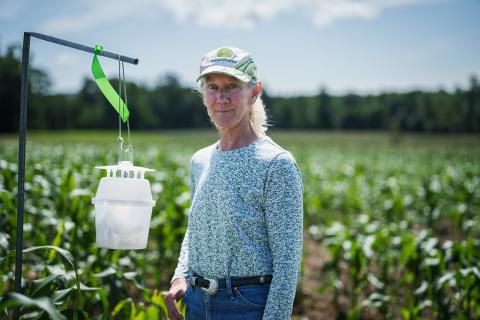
(324, 12)
(230, 14)
(88, 15)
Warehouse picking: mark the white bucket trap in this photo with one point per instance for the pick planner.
(123, 207)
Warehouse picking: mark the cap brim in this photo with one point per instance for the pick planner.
(232, 72)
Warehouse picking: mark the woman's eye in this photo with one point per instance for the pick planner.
(212, 87)
(232, 86)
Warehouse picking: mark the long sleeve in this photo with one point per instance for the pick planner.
(284, 220)
(181, 271)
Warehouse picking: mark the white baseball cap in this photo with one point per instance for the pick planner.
(230, 61)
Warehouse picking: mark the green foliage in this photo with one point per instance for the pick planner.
(13, 300)
(400, 224)
(60, 182)
(169, 105)
(402, 232)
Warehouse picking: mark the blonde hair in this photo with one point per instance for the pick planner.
(258, 115)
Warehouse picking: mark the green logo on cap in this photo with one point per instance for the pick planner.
(224, 52)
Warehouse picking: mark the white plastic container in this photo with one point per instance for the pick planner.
(123, 207)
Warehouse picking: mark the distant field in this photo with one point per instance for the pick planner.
(299, 139)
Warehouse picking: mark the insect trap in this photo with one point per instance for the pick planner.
(123, 207)
(123, 202)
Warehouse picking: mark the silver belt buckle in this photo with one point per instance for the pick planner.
(212, 286)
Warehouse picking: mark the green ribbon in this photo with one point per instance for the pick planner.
(106, 88)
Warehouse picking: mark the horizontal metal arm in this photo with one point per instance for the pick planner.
(82, 47)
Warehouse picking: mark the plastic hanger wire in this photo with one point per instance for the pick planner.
(122, 90)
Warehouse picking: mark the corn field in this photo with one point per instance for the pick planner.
(392, 226)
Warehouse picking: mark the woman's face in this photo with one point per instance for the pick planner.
(228, 101)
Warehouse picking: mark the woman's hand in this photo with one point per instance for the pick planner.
(176, 292)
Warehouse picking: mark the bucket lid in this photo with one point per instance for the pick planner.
(124, 184)
(126, 169)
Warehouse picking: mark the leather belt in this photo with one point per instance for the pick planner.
(211, 286)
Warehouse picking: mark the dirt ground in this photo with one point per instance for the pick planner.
(310, 304)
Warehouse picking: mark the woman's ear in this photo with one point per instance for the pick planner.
(256, 91)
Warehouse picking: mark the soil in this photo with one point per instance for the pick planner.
(310, 303)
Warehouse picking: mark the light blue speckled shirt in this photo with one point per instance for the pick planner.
(246, 219)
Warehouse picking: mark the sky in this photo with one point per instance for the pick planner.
(299, 46)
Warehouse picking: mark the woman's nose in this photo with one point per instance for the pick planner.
(222, 95)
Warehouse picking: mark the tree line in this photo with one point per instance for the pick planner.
(169, 105)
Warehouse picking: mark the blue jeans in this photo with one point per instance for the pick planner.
(232, 303)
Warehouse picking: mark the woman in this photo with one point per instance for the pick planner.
(240, 258)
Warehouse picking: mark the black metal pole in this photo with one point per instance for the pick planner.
(23, 134)
(21, 167)
(82, 47)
